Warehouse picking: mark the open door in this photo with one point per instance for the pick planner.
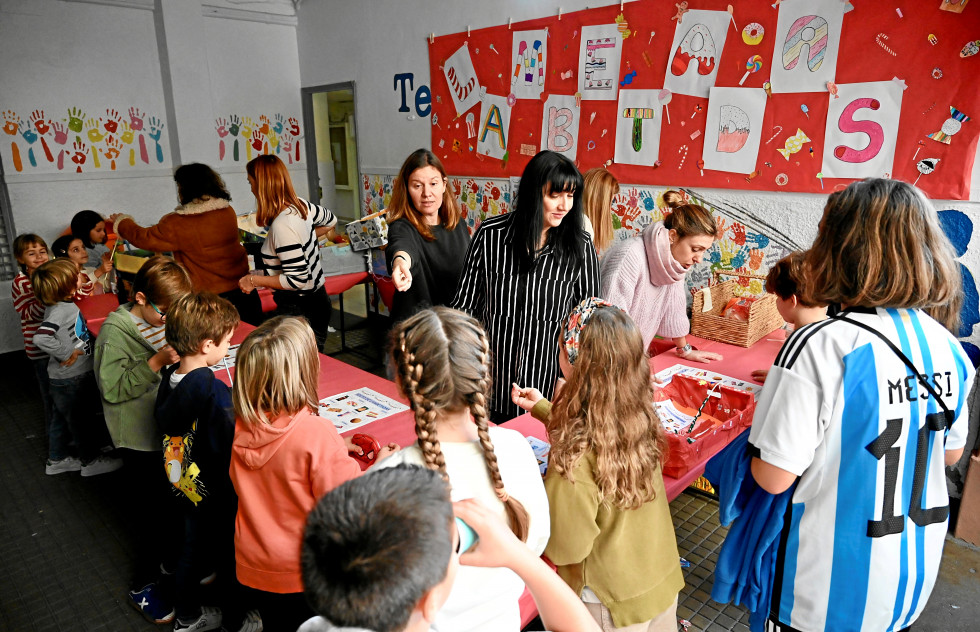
(334, 174)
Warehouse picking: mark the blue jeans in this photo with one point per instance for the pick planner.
(43, 384)
(77, 413)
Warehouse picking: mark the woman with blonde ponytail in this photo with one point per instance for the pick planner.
(442, 360)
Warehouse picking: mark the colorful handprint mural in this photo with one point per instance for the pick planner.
(241, 137)
(42, 142)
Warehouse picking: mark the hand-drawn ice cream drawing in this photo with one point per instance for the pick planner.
(733, 129)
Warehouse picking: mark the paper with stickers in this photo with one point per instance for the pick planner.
(699, 41)
(357, 408)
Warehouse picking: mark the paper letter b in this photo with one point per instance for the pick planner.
(559, 139)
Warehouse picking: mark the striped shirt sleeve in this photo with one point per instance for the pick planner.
(291, 251)
(471, 294)
(319, 216)
(589, 280)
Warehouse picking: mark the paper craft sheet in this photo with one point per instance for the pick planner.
(541, 450)
(638, 122)
(530, 61)
(357, 408)
(862, 126)
(464, 85)
(559, 125)
(227, 363)
(807, 45)
(666, 375)
(699, 41)
(494, 126)
(733, 129)
(599, 59)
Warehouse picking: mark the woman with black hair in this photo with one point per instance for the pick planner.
(524, 273)
(202, 234)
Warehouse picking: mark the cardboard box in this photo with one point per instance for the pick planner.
(369, 232)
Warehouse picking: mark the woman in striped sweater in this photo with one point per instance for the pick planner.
(290, 254)
(524, 273)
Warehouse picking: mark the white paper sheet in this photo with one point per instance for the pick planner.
(862, 126)
(494, 126)
(698, 45)
(358, 408)
(807, 44)
(464, 85)
(733, 129)
(638, 121)
(530, 60)
(598, 60)
(559, 125)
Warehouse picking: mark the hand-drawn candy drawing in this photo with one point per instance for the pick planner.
(950, 126)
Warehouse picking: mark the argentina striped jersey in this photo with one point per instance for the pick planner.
(863, 536)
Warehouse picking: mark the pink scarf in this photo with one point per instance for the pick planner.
(664, 269)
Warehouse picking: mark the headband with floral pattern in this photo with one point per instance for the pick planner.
(576, 323)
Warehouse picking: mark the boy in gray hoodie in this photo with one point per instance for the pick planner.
(64, 336)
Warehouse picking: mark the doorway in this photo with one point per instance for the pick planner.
(334, 176)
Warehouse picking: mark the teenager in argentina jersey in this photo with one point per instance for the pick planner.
(862, 539)
(524, 273)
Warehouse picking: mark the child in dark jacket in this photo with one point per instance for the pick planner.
(194, 411)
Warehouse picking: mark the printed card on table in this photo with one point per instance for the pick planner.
(541, 450)
(358, 408)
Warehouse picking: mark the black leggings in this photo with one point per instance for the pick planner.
(314, 306)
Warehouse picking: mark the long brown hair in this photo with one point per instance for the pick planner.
(274, 188)
(688, 219)
(443, 361)
(606, 407)
(598, 189)
(401, 202)
(880, 244)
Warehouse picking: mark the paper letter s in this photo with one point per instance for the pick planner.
(847, 124)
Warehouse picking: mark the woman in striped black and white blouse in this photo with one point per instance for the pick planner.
(524, 273)
(290, 254)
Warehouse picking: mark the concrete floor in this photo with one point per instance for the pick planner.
(65, 553)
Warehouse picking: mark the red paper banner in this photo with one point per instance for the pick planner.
(877, 44)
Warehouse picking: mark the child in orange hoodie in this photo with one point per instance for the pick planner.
(284, 458)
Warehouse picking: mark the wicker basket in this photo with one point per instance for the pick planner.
(763, 316)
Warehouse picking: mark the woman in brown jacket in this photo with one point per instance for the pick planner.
(202, 234)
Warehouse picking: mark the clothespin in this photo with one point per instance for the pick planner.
(432, 38)
(559, 14)
(510, 22)
(467, 30)
(621, 3)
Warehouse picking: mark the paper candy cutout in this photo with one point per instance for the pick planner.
(925, 167)
(950, 126)
(971, 49)
(794, 144)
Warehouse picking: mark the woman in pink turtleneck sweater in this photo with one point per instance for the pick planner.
(645, 275)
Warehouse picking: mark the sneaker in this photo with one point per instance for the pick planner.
(210, 619)
(252, 622)
(67, 464)
(101, 465)
(147, 600)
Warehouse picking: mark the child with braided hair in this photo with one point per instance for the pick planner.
(443, 367)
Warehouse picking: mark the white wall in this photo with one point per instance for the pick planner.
(186, 62)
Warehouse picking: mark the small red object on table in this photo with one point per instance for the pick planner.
(370, 448)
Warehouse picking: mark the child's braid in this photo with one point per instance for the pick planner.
(425, 413)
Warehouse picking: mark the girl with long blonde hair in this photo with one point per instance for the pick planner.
(443, 365)
(291, 253)
(598, 190)
(612, 538)
(284, 457)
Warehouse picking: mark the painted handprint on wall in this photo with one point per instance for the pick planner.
(99, 137)
(268, 133)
